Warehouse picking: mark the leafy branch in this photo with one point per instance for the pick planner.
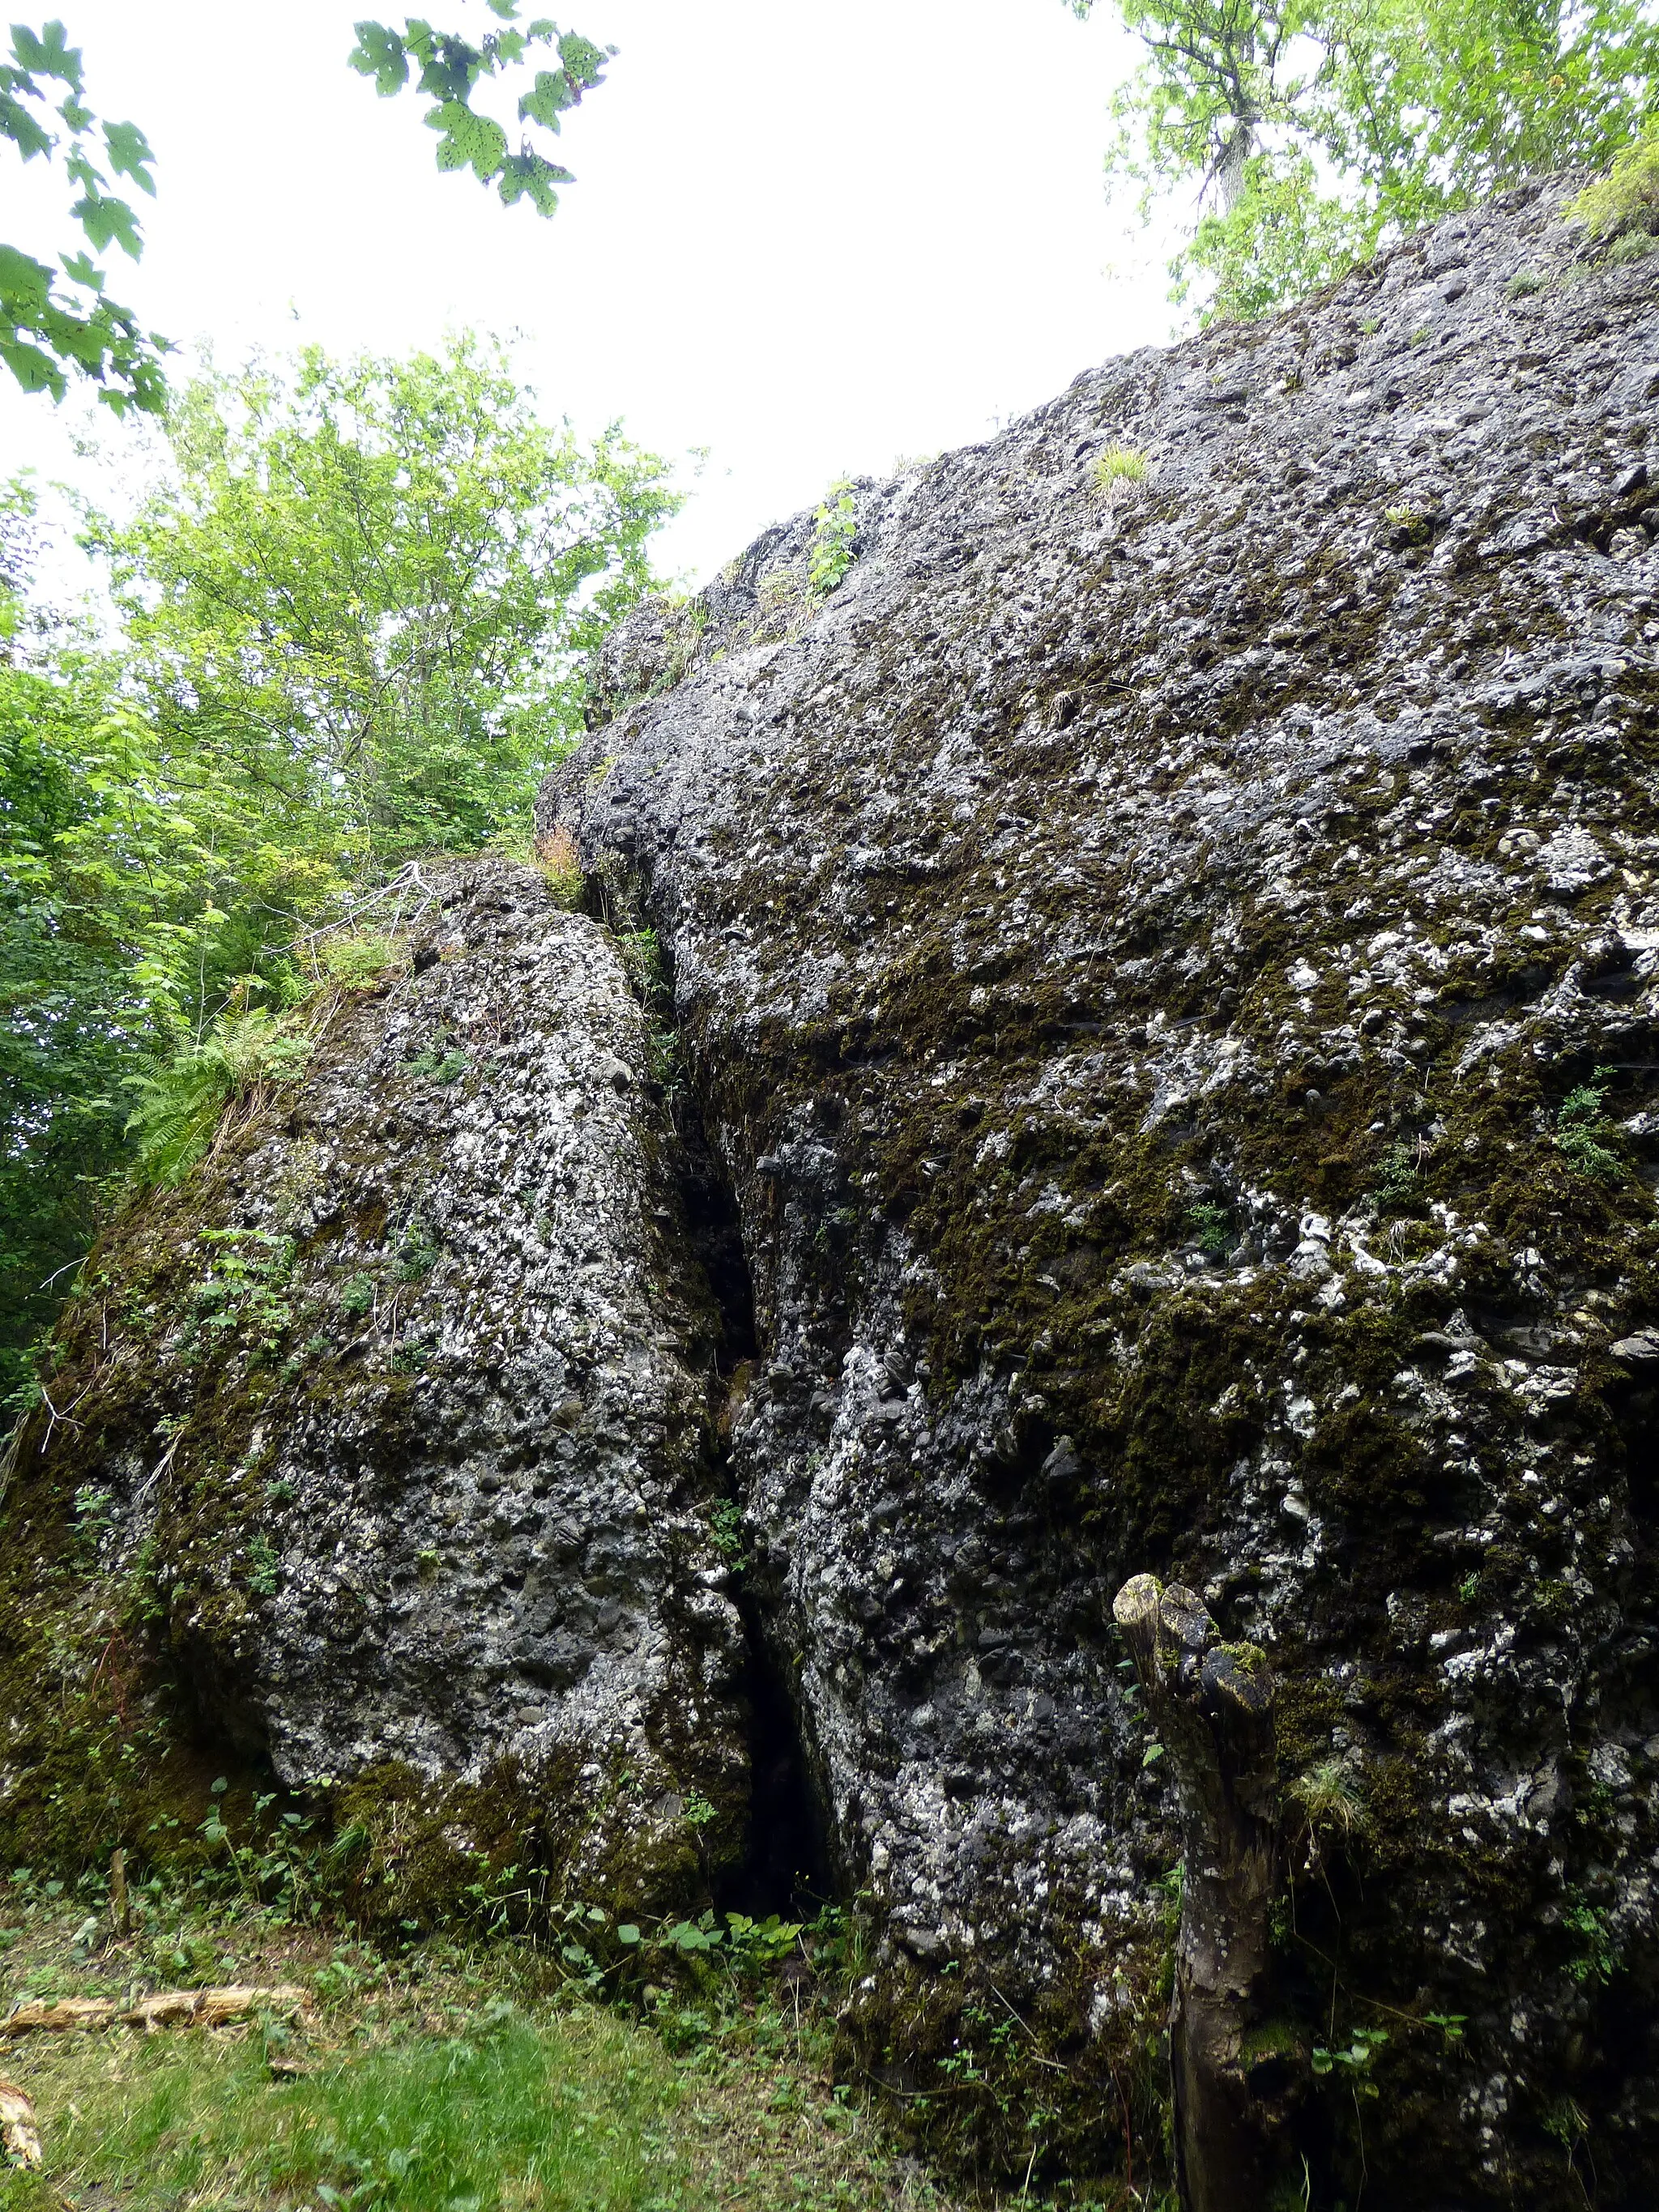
(449, 67)
(45, 335)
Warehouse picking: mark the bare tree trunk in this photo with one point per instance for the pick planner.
(1213, 1706)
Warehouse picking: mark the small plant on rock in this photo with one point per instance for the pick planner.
(178, 1107)
(560, 866)
(1524, 283)
(1119, 464)
(1580, 1128)
(833, 547)
(1211, 1227)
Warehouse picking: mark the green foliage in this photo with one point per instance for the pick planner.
(726, 1527)
(1212, 1225)
(1580, 1129)
(179, 1104)
(47, 336)
(357, 605)
(363, 596)
(262, 1570)
(1398, 1182)
(1311, 131)
(1120, 464)
(1354, 2059)
(834, 542)
(1626, 200)
(358, 959)
(449, 67)
(1595, 1955)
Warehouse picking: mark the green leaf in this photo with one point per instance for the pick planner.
(83, 270)
(583, 60)
(47, 54)
(627, 1933)
(525, 175)
(380, 53)
(547, 98)
(25, 284)
(25, 133)
(469, 140)
(106, 220)
(128, 153)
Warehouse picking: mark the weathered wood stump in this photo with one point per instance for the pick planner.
(1212, 1704)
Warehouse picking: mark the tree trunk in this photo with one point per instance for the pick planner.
(1229, 163)
(1212, 1704)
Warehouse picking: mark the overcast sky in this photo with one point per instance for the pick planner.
(810, 240)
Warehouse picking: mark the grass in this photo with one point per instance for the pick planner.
(448, 2077)
(1119, 464)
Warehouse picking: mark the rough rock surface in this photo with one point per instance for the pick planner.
(387, 1437)
(1171, 973)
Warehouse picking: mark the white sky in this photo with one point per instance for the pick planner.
(811, 239)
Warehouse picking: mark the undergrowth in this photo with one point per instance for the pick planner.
(447, 2076)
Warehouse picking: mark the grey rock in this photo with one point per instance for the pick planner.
(415, 1442)
(1253, 836)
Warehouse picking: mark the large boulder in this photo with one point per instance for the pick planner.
(1166, 956)
(376, 1461)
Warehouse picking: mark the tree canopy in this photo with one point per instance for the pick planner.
(356, 605)
(1310, 131)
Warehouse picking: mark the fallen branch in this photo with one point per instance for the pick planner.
(166, 2009)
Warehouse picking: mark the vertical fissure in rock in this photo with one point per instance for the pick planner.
(785, 1868)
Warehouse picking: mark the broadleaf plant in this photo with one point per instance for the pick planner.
(48, 335)
(450, 68)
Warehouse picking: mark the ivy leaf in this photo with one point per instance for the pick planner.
(380, 53)
(130, 152)
(469, 139)
(506, 9)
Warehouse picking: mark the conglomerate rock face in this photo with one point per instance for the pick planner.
(384, 1442)
(1171, 971)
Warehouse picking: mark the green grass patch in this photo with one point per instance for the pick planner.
(504, 2111)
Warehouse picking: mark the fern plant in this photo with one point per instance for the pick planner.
(178, 1106)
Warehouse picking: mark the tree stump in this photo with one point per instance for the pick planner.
(1212, 1704)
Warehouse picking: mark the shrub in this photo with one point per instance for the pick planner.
(1627, 198)
(1120, 464)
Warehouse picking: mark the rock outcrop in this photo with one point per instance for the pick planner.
(380, 1453)
(1169, 965)
(1163, 961)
